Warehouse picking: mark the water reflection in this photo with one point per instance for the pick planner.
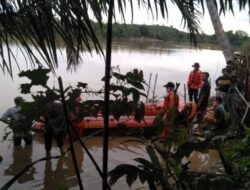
(64, 174)
(21, 157)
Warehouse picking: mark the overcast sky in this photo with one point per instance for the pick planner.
(238, 21)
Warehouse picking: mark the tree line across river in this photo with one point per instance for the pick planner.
(168, 34)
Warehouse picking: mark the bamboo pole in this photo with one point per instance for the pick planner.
(149, 84)
(156, 76)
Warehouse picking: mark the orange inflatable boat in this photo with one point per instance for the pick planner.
(151, 110)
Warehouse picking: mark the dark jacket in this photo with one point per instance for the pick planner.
(204, 94)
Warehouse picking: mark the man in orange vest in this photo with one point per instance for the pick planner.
(171, 103)
(194, 83)
(172, 99)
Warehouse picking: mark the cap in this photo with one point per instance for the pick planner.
(169, 85)
(196, 65)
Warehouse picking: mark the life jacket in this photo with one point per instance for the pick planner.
(172, 100)
(190, 111)
(195, 79)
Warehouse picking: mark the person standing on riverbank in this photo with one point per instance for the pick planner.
(222, 84)
(203, 96)
(194, 83)
(14, 119)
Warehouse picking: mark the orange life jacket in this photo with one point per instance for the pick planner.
(195, 79)
(172, 100)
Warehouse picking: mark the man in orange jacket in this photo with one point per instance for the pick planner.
(172, 99)
(194, 83)
(171, 103)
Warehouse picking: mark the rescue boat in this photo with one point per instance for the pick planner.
(151, 110)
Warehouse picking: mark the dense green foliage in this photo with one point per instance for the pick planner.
(125, 90)
(165, 33)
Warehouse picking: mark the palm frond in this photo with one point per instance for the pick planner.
(38, 26)
(190, 16)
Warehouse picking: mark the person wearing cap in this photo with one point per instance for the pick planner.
(172, 99)
(171, 103)
(13, 118)
(194, 83)
(222, 84)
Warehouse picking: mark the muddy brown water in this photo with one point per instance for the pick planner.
(172, 63)
(55, 173)
(60, 172)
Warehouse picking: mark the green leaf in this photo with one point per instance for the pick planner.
(66, 89)
(119, 76)
(82, 85)
(51, 95)
(130, 107)
(116, 109)
(74, 93)
(136, 84)
(145, 163)
(25, 88)
(37, 76)
(121, 170)
(142, 176)
(135, 94)
(139, 112)
(158, 124)
(131, 178)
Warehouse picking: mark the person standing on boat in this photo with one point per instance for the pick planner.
(15, 120)
(203, 96)
(194, 83)
(172, 99)
(55, 126)
(222, 84)
(171, 103)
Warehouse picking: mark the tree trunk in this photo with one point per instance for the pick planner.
(219, 32)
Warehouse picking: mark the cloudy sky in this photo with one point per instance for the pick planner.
(238, 21)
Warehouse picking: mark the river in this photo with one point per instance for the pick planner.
(171, 63)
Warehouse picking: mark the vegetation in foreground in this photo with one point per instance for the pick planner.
(231, 142)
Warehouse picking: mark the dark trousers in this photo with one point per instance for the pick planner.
(193, 94)
(27, 139)
(202, 109)
(48, 138)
